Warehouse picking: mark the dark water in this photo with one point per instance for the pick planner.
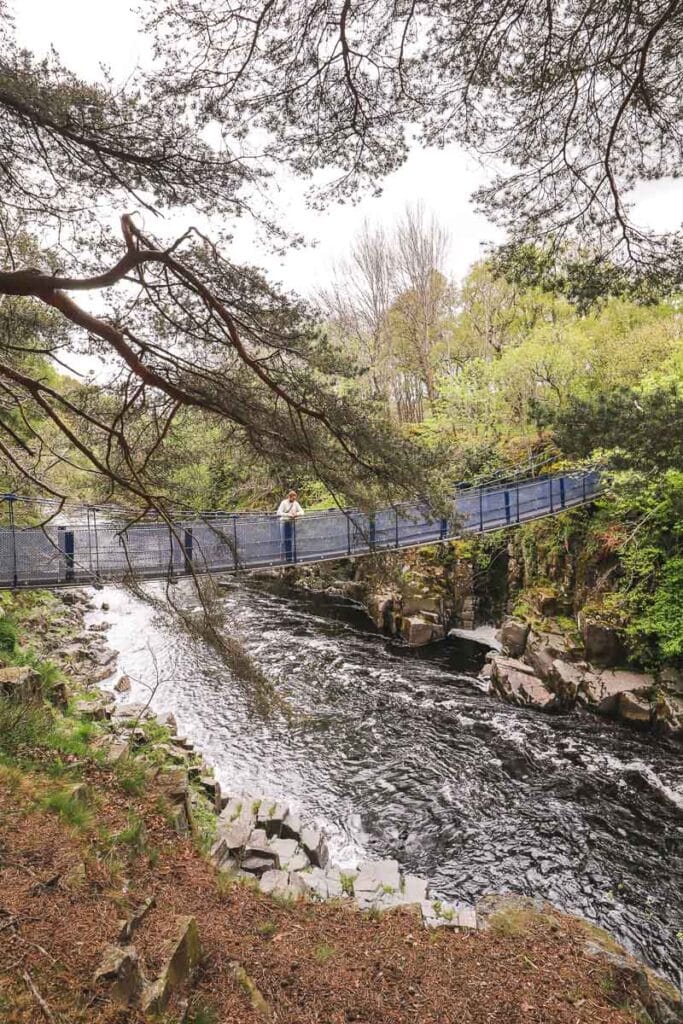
(404, 756)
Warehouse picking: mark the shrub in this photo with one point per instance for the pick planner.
(23, 725)
(68, 807)
(9, 635)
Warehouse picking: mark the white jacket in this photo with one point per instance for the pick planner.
(289, 509)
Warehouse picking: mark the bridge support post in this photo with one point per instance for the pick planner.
(348, 533)
(234, 541)
(188, 548)
(9, 498)
(443, 529)
(506, 499)
(562, 493)
(372, 528)
(396, 525)
(481, 509)
(550, 491)
(67, 549)
(517, 501)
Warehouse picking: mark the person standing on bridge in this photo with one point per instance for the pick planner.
(288, 512)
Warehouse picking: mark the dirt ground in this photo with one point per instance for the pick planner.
(66, 885)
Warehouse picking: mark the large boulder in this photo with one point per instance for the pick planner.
(513, 637)
(672, 679)
(186, 952)
(120, 974)
(516, 683)
(566, 680)
(271, 815)
(21, 683)
(314, 845)
(634, 709)
(377, 880)
(236, 823)
(602, 644)
(381, 611)
(603, 689)
(543, 649)
(417, 632)
(667, 715)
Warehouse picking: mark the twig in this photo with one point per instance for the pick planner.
(39, 999)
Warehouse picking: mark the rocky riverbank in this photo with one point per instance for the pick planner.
(171, 841)
(544, 659)
(557, 672)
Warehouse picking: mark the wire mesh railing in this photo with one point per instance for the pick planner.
(88, 545)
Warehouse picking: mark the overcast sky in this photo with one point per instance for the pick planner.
(87, 33)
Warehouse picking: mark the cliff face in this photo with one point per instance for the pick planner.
(551, 587)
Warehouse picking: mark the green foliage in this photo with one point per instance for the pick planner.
(133, 836)
(23, 726)
(347, 883)
(9, 635)
(205, 823)
(131, 776)
(656, 628)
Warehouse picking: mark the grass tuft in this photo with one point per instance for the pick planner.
(69, 808)
(323, 952)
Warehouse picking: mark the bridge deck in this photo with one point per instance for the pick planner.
(103, 549)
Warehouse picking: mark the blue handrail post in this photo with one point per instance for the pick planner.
(234, 541)
(443, 529)
(10, 498)
(348, 533)
(97, 543)
(517, 499)
(396, 525)
(583, 486)
(550, 481)
(481, 509)
(372, 527)
(506, 499)
(67, 538)
(294, 540)
(562, 493)
(188, 546)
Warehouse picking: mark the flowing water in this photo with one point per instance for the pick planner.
(402, 755)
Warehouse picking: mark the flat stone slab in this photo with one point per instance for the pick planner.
(236, 823)
(273, 881)
(258, 845)
(290, 857)
(285, 884)
(440, 914)
(316, 883)
(257, 864)
(299, 862)
(414, 889)
(335, 887)
(313, 842)
(271, 814)
(378, 874)
(291, 826)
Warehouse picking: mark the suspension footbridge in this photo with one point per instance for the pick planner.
(94, 544)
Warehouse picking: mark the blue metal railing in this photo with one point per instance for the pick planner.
(96, 547)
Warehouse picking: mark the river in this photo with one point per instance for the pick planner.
(402, 755)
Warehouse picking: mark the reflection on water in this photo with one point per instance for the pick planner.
(404, 756)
